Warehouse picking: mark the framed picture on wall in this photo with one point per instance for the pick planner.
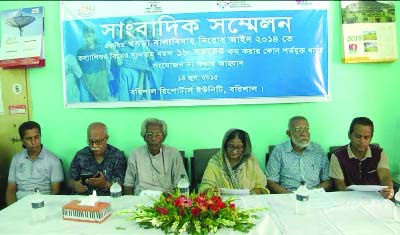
(369, 31)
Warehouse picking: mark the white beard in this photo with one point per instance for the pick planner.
(301, 144)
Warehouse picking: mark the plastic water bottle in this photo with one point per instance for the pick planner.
(396, 205)
(302, 199)
(38, 209)
(183, 185)
(115, 189)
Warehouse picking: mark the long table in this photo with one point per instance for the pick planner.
(343, 213)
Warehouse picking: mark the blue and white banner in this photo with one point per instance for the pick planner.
(160, 53)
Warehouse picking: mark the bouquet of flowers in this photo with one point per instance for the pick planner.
(194, 214)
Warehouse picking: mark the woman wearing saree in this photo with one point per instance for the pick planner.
(234, 166)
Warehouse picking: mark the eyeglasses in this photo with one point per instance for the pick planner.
(231, 147)
(299, 130)
(97, 142)
(151, 134)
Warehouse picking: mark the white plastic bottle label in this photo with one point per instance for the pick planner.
(184, 190)
(302, 198)
(36, 205)
(116, 194)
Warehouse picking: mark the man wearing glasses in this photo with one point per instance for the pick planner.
(96, 166)
(297, 160)
(153, 166)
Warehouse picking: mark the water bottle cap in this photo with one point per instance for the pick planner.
(115, 179)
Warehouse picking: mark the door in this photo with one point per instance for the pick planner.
(14, 110)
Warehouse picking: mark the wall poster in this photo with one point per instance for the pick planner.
(22, 38)
(369, 31)
(182, 53)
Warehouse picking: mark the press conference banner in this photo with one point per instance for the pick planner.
(181, 53)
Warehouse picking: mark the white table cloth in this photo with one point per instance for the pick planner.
(351, 213)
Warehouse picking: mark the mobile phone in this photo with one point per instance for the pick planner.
(97, 175)
(84, 177)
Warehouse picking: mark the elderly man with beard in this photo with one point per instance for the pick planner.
(297, 160)
(96, 166)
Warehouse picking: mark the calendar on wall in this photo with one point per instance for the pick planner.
(369, 31)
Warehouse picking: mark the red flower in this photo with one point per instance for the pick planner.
(162, 210)
(179, 201)
(187, 203)
(210, 202)
(221, 204)
(216, 198)
(182, 201)
(195, 211)
(214, 208)
(200, 199)
(182, 212)
(232, 205)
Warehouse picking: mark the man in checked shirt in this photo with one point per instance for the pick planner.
(95, 166)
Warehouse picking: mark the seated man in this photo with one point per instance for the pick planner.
(153, 166)
(359, 162)
(297, 160)
(101, 161)
(34, 167)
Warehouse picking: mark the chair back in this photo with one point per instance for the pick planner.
(333, 149)
(64, 187)
(198, 165)
(268, 153)
(185, 162)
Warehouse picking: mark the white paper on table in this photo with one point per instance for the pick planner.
(234, 191)
(320, 199)
(150, 193)
(365, 188)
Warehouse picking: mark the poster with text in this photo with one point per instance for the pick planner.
(369, 31)
(183, 53)
(22, 39)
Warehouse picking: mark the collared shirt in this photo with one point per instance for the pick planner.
(160, 172)
(29, 174)
(288, 168)
(335, 171)
(112, 166)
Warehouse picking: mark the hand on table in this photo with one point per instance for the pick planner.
(387, 193)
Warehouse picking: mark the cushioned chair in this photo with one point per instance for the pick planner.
(185, 163)
(333, 149)
(268, 154)
(198, 165)
(64, 188)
